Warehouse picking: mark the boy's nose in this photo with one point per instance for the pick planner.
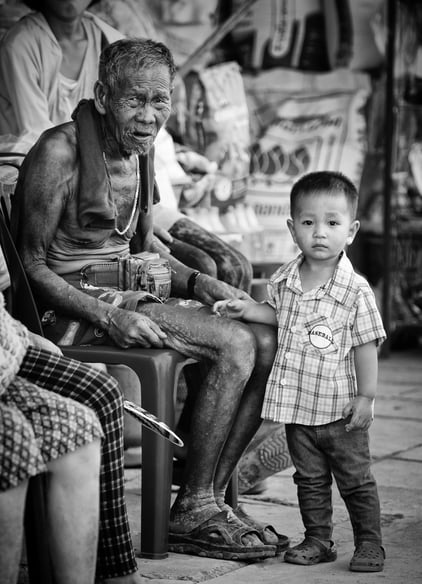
(319, 231)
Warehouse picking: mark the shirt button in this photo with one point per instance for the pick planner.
(282, 382)
(288, 355)
(293, 329)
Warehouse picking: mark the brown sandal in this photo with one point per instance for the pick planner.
(220, 537)
(282, 542)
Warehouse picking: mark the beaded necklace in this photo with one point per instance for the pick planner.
(135, 202)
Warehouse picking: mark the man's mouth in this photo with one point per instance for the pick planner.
(142, 136)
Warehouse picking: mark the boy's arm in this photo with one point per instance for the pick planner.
(247, 310)
(362, 406)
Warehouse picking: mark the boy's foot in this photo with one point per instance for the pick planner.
(368, 557)
(311, 551)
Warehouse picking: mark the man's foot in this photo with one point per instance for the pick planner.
(267, 533)
(311, 551)
(368, 557)
(222, 536)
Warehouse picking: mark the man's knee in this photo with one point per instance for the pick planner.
(240, 347)
(266, 341)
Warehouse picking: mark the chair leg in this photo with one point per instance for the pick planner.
(36, 537)
(157, 455)
(158, 374)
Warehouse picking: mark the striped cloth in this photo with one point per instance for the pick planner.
(313, 375)
(100, 392)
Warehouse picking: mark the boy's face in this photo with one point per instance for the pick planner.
(323, 225)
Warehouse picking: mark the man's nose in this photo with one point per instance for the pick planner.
(145, 112)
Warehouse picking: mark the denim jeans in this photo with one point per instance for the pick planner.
(320, 452)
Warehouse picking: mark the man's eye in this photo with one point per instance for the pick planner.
(161, 101)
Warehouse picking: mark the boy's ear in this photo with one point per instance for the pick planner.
(100, 95)
(354, 228)
(290, 225)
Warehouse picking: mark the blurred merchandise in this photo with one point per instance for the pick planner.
(303, 122)
(217, 121)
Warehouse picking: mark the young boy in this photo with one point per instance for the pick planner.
(323, 381)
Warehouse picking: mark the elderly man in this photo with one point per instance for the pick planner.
(84, 196)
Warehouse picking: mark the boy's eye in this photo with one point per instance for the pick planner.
(307, 222)
(332, 223)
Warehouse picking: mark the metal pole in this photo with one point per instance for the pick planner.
(215, 37)
(390, 117)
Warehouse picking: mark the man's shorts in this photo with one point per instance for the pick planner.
(65, 331)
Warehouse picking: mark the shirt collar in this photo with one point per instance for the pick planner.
(339, 286)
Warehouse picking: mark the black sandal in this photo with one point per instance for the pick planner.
(368, 557)
(311, 551)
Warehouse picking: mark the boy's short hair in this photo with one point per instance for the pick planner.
(324, 181)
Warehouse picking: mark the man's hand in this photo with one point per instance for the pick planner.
(208, 290)
(130, 329)
(362, 410)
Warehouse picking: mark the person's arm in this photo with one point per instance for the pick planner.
(21, 77)
(49, 177)
(247, 310)
(361, 408)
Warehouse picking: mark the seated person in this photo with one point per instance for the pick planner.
(40, 362)
(40, 432)
(85, 195)
(48, 63)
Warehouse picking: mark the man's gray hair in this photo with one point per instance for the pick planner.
(132, 53)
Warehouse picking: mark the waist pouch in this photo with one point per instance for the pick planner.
(121, 273)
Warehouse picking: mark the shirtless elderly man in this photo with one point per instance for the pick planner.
(85, 194)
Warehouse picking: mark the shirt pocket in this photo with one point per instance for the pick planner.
(322, 341)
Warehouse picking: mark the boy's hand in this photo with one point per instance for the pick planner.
(233, 308)
(362, 411)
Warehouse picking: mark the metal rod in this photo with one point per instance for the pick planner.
(215, 37)
(390, 119)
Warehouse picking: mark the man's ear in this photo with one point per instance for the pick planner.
(100, 96)
(354, 228)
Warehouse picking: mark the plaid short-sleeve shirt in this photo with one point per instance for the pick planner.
(313, 375)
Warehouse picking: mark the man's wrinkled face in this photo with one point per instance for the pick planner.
(138, 108)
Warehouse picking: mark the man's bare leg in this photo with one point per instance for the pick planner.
(248, 418)
(229, 348)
